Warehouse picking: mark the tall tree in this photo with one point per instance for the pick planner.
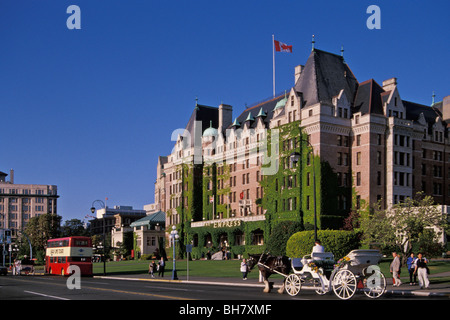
(74, 227)
(405, 224)
(41, 228)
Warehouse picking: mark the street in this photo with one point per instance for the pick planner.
(55, 288)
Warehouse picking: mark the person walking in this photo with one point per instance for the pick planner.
(395, 270)
(411, 263)
(244, 269)
(161, 266)
(151, 269)
(421, 270)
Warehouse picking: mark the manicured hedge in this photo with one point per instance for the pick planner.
(339, 242)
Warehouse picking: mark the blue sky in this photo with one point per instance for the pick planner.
(90, 110)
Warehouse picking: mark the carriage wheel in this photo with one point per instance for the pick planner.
(344, 284)
(376, 290)
(293, 284)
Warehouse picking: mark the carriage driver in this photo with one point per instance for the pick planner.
(318, 247)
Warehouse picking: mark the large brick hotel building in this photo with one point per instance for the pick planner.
(221, 185)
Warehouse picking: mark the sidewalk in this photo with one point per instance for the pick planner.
(435, 289)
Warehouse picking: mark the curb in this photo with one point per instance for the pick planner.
(219, 283)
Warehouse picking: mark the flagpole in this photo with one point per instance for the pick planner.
(273, 62)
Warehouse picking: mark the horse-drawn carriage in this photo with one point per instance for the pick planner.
(358, 271)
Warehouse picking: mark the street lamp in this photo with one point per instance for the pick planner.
(295, 158)
(174, 237)
(103, 206)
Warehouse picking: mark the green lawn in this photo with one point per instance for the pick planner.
(200, 268)
(230, 268)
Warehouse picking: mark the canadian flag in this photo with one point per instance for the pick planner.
(211, 199)
(282, 47)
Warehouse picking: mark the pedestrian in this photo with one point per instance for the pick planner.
(411, 263)
(395, 270)
(151, 268)
(161, 266)
(244, 269)
(422, 271)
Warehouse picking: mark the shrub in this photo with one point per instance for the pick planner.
(276, 243)
(339, 242)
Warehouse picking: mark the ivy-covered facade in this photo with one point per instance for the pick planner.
(310, 155)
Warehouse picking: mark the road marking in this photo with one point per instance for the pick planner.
(46, 295)
(179, 289)
(108, 289)
(139, 293)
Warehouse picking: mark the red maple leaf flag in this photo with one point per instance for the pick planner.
(282, 47)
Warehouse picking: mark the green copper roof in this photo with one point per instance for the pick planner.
(280, 104)
(210, 132)
(152, 219)
(236, 123)
(261, 113)
(250, 117)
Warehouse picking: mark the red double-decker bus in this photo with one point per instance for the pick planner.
(64, 252)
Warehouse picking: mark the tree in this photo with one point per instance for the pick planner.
(41, 228)
(73, 227)
(405, 224)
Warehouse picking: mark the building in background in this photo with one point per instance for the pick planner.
(21, 202)
(114, 219)
(149, 234)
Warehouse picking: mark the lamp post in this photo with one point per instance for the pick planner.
(295, 157)
(174, 237)
(103, 206)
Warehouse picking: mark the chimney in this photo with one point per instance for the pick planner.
(298, 71)
(225, 116)
(389, 84)
(11, 176)
(446, 108)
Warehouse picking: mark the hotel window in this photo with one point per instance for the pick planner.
(307, 202)
(379, 178)
(345, 159)
(358, 140)
(379, 157)
(346, 180)
(358, 158)
(339, 140)
(339, 158)
(358, 178)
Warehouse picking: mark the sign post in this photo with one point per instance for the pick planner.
(188, 250)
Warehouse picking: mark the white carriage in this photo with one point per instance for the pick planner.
(358, 271)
